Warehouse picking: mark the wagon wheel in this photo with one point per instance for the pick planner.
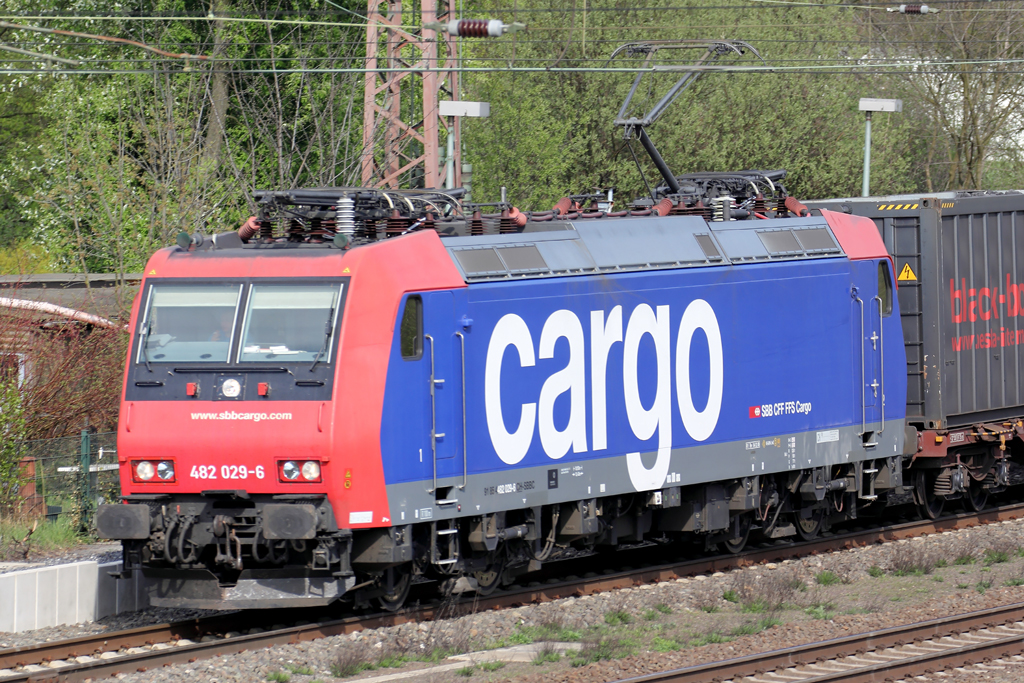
(808, 528)
(400, 581)
(737, 543)
(976, 496)
(928, 503)
(488, 579)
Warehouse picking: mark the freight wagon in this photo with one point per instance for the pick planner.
(959, 260)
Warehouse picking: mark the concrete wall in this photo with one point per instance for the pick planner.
(66, 594)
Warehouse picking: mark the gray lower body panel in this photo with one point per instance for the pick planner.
(256, 589)
(560, 481)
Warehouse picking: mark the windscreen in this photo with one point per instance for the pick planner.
(190, 323)
(289, 323)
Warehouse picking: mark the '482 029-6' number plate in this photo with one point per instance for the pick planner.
(227, 472)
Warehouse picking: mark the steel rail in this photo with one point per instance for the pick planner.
(863, 644)
(515, 597)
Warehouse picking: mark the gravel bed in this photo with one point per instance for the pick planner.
(100, 552)
(115, 622)
(679, 623)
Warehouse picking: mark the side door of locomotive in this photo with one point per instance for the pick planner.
(872, 302)
(443, 388)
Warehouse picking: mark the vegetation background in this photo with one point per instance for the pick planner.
(102, 163)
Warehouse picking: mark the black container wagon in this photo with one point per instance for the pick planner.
(959, 259)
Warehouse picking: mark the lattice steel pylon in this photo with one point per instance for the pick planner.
(397, 139)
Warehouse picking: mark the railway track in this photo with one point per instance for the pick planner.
(100, 655)
(885, 655)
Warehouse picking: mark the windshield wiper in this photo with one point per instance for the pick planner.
(327, 337)
(145, 340)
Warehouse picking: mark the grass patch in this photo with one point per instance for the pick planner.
(940, 563)
(937, 579)
(731, 596)
(709, 639)
(301, 670)
(996, 557)
(524, 635)
(651, 615)
(755, 607)
(663, 608)
(491, 666)
(278, 677)
(1014, 582)
(983, 586)
(547, 653)
(598, 650)
(753, 627)
(827, 578)
(825, 610)
(875, 571)
(59, 535)
(964, 560)
(618, 618)
(390, 660)
(962, 586)
(466, 671)
(664, 645)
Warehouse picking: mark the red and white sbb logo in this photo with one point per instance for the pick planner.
(755, 411)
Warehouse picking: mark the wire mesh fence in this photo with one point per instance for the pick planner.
(64, 478)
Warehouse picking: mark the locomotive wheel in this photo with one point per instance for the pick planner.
(975, 497)
(736, 544)
(487, 580)
(928, 503)
(808, 528)
(401, 582)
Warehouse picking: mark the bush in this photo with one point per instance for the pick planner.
(912, 561)
(351, 660)
(547, 653)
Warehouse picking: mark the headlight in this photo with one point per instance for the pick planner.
(310, 470)
(290, 470)
(144, 470)
(165, 470)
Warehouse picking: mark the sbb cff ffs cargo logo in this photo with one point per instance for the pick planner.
(755, 411)
(604, 333)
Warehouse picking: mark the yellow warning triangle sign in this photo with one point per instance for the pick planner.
(906, 274)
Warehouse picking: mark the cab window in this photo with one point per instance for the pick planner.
(411, 329)
(885, 287)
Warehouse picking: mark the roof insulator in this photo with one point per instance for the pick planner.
(475, 28)
(913, 9)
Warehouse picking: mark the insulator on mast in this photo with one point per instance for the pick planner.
(913, 9)
(475, 28)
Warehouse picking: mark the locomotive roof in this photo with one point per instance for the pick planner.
(560, 248)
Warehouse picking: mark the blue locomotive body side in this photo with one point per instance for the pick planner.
(608, 384)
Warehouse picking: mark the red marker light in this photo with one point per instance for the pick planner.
(191, 389)
(263, 389)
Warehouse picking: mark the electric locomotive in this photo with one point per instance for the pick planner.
(364, 388)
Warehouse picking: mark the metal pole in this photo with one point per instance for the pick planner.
(86, 459)
(867, 156)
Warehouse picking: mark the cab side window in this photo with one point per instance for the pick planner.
(885, 287)
(411, 329)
